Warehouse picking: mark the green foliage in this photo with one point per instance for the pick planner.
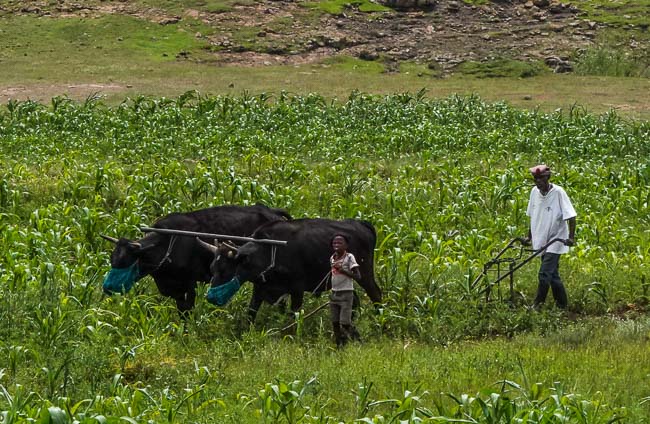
(284, 402)
(348, 63)
(100, 45)
(606, 62)
(514, 403)
(619, 12)
(444, 182)
(336, 7)
(499, 68)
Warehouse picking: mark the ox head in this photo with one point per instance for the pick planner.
(224, 265)
(124, 264)
(250, 261)
(125, 253)
(230, 266)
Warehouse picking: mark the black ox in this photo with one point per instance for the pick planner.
(300, 266)
(177, 263)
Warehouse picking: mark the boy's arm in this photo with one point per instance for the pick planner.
(353, 273)
(356, 273)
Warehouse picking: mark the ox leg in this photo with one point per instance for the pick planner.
(356, 303)
(185, 302)
(254, 305)
(296, 300)
(372, 289)
(184, 293)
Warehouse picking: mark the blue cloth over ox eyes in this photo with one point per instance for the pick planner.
(222, 294)
(121, 280)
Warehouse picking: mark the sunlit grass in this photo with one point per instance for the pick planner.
(445, 184)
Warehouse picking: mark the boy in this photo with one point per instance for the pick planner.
(344, 270)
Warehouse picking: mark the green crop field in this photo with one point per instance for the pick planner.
(445, 183)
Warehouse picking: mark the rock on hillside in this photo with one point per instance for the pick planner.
(441, 33)
(437, 32)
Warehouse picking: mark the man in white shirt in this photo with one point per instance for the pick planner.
(551, 216)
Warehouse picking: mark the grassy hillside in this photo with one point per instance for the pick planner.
(119, 49)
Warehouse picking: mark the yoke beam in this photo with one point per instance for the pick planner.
(211, 236)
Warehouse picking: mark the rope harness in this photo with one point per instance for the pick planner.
(166, 258)
(271, 265)
(306, 316)
(321, 282)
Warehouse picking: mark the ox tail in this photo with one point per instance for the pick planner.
(370, 284)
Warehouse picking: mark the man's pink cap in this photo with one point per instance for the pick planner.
(540, 170)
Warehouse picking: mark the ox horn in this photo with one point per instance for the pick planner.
(233, 249)
(111, 239)
(208, 246)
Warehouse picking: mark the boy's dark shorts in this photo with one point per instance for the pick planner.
(341, 306)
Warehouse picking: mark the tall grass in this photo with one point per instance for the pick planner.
(611, 62)
(444, 182)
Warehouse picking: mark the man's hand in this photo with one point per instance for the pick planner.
(525, 241)
(569, 242)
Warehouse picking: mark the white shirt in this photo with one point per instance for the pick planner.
(341, 281)
(548, 214)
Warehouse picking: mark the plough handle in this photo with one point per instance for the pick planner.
(494, 260)
(508, 246)
(528, 259)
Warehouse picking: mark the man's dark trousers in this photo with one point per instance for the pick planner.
(549, 276)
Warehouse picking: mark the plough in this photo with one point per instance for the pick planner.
(513, 264)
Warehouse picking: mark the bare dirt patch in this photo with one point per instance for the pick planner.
(68, 9)
(45, 92)
(250, 58)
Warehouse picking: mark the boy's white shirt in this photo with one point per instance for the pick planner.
(548, 215)
(341, 281)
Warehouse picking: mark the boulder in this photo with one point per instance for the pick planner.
(368, 55)
(411, 4)
(453, 6)
(559, 64)
(168, 20)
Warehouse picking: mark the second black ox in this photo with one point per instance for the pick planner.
(300, 266)
(177, 263)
